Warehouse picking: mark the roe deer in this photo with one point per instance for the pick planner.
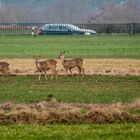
(4, 69)
(44, 65)
(72, 63)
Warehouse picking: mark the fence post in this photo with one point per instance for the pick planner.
(131, 29)
(134, 29)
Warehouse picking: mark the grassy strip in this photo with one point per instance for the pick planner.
(74, 46)
(134, 111)
(129, 131)
(90, 89)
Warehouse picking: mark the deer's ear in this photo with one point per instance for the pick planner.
(35, 56)
(62, 53)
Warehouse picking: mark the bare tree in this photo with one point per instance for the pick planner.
(68, 11)
(112, 13)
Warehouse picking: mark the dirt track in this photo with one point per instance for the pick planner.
(92, 67)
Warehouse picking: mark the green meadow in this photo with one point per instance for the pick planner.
(90, 89)
(126, 131)
(74, 46)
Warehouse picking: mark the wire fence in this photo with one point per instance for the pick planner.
(101, 29)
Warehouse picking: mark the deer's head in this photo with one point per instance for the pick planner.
(62, 56)
(36, 58)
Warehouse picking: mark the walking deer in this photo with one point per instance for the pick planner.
(45, 65)
(72, 63)
(4, 69)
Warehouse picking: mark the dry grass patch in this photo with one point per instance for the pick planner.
(46, 113)
(92, 67)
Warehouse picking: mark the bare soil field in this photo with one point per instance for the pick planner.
(92, 67)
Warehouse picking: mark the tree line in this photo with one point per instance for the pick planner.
(77, 11)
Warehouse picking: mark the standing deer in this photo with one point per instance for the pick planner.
(69, 64)
(4, 69)
(44, 65)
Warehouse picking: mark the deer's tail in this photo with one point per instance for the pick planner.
(83, 61)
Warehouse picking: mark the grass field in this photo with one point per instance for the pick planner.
(127, 131)
(90, 89)
(74, 46)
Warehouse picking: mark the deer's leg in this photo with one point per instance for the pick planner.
(40, 74)
(55, 74)
(71, 72)
(79, 70)
(52, 74)
(66, 72)
(3, 76)
(45, 75)
(8, 74)
(83, 70)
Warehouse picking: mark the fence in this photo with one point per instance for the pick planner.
(101, 29)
